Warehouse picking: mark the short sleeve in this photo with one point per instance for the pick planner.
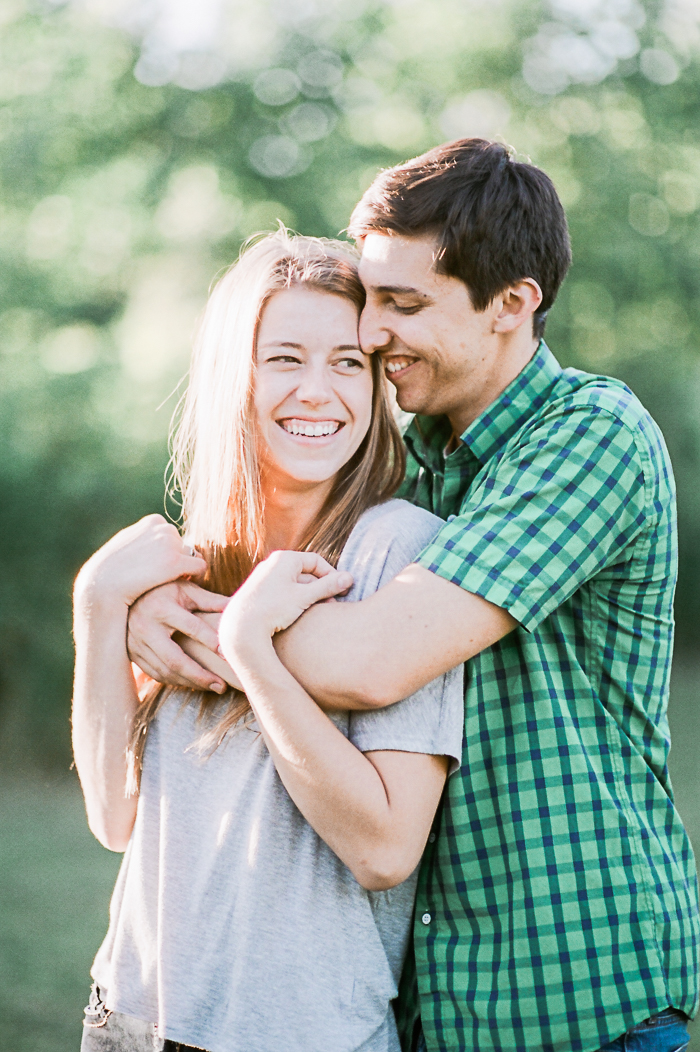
(385, 541)
(430, 721)
(559, 507)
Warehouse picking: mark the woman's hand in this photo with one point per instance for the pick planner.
(136, 559)
(278, 591)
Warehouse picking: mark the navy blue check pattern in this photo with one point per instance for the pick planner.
(558, 906)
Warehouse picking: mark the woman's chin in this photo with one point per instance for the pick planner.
(298, 474)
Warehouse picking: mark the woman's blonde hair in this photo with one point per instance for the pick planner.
(214, 444)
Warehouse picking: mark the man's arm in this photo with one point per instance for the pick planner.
(373, 653)
(346, 655)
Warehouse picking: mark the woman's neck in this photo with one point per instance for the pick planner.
(289, 512)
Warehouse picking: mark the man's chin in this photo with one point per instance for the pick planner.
(412, 402)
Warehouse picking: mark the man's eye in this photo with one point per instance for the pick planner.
(409, 309)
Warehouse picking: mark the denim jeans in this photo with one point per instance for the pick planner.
(107, 1031)
(665, 1032)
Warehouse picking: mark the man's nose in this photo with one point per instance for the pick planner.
(374, 333)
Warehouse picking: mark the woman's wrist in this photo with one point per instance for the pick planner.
(247, 648)
(95, 593)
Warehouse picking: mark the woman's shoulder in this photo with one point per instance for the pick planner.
(397, 517)
(386, 538)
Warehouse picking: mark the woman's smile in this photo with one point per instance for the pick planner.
(313, 387)
(309, 428)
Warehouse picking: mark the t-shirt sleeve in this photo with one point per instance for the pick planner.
(431, 720)
(560, 507)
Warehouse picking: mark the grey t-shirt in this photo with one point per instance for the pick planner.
(233, 926)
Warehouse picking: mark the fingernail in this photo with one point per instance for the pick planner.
(220, 651)
(218, 688)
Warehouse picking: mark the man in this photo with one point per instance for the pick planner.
(557, 905)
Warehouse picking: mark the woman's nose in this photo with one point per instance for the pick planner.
(315, 386)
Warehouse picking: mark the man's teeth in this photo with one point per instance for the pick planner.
(309, 430)
(395, 367)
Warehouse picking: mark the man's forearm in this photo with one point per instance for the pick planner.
(376, 652)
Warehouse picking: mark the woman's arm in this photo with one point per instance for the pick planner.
(373, 809)
(105, 698)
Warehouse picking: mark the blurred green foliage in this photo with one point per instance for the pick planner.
(122, 197)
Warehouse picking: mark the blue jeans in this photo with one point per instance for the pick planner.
(107, 1031)
(665, 1032)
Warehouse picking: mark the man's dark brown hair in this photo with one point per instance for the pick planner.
(497, 220)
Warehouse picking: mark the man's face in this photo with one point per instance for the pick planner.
(435, 347)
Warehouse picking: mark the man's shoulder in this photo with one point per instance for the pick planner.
(577, 389)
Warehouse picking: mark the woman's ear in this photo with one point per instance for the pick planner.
(516, 305)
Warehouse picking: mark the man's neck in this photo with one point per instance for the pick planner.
(507, 363)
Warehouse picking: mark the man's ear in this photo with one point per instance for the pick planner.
(517, 304)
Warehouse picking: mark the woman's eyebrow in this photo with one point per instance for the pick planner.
(349, 347)
(283, 343)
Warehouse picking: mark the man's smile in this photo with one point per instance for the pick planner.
(394, 367)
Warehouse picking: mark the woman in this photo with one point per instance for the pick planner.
(265, 897)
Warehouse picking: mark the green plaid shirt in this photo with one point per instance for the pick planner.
(557, 905)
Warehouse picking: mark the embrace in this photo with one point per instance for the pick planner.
(390, 766)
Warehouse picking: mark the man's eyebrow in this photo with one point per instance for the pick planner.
(401, 290)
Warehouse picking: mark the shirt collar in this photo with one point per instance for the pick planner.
(427, 436)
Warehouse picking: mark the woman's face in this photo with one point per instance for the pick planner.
(313, 386)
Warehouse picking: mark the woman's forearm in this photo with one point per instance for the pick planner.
(373, 810)
(334, 786)
(340, 792)
(104, 703)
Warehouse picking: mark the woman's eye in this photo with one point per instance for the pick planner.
(350, 363)
(284, 359)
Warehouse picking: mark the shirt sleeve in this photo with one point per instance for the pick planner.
(430, 721)
(568, 502)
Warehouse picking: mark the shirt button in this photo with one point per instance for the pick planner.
(426, 918)
(432, 838)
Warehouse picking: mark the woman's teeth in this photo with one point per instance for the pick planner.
(396, 366)
(310, 430)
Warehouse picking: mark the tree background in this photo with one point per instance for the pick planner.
(142, 140)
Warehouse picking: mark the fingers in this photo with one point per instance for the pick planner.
(332, 584)
(174, 667)
(196, 628)
(193, 565)
(311, 563)
(150, 645)
(201, 599)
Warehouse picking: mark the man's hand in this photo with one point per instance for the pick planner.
(157, 616)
